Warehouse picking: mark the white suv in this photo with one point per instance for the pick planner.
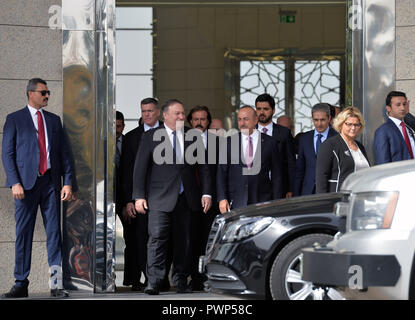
(374, 256)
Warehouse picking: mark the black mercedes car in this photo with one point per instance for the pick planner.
(256, 251)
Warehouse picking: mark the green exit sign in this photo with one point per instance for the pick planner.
(287, 18)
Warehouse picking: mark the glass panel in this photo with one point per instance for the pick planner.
(130, 90)
(134, 50)
(257, 77)
(134, 18)
(315, 81)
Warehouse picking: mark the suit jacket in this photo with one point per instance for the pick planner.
(118, 180)
(130, 145)
(212, 149)
(241, 190)
(286, 145)
(389, 144)
(334, 164)
(159, 183)
(305, 170)
(20, 153)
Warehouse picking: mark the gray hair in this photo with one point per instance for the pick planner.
(32, 85)
(321, 107)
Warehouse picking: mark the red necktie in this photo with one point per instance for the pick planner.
(42, 143)
(406, 137)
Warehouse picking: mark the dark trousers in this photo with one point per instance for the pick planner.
(132, 272)
(160, 224)
(43, 194)
(200, 229)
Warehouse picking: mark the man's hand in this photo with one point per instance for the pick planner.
(66, 193)
(224, 206)
(289, 195)
(125, 215)
(206, 203)
(130, 211)
(17, 191)
(141, 206)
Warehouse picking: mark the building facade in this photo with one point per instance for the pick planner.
(71, 44)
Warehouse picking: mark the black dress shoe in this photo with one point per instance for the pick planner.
(151, 290)
(197, 285)
(59, 293)
(138, 287)
(183, 288)
(16, 292)
(165, 285)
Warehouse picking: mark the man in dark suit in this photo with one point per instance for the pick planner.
(135, 226)
(265, 108)
(309, 143)
(200, 118)
(36, 158)
(252, 171)
(119, 128)
(394, 141)
(165, 185)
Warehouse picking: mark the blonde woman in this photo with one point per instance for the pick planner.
(341, 155)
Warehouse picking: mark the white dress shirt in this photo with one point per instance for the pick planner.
(147, 127)
(245, 140)
(360, 161)
(34, 118)
(179, 137)
(269, 127)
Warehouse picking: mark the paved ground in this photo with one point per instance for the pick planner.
(125, 293)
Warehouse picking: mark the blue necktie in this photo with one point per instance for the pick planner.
(178, 155)
(319, 136)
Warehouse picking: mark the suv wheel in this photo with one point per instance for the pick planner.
(285, 277)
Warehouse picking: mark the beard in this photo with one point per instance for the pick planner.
(264, 119)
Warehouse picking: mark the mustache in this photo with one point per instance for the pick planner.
(199, 126)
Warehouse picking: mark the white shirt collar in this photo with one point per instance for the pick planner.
(147, 127)
(269, 126)
(324, 133)
(396, 121)
(254, 134)
(34, 110)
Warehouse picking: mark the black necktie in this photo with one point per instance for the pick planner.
(319, 136)
(117, 153)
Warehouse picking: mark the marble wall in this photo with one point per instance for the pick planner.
(28, 48)
(405, 53)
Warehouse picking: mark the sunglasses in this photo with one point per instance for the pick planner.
(42, 92)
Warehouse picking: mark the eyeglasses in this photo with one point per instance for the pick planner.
(356, 125)
(42, 92)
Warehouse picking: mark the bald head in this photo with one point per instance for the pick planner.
(285, 121)
(216, 124)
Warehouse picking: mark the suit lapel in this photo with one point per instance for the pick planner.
(27, 118)
(398, 134)
(49, 128)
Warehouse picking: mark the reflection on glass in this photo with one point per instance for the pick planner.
(78, 231)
